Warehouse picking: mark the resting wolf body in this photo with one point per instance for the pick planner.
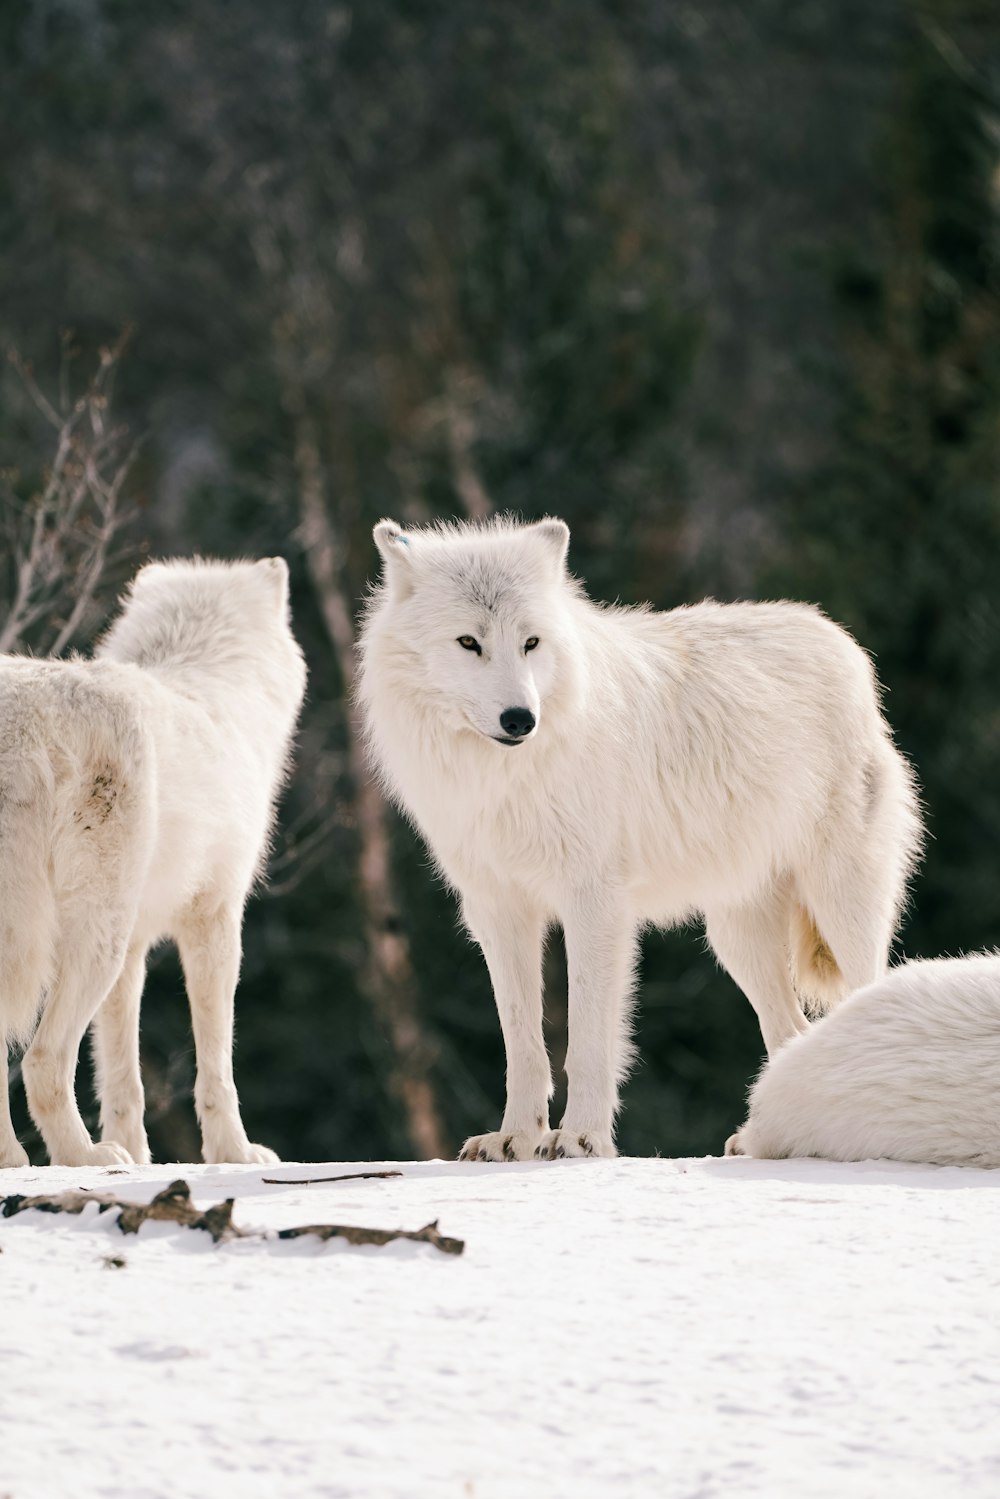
(136, 795)
(605, 768)
(907, 1069)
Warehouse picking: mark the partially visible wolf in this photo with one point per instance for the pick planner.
(136, 798)
(906, 1069)
(605, 768)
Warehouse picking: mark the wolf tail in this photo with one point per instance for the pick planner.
(27, 907)
(815, 972)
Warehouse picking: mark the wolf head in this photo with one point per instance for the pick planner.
(476, 622)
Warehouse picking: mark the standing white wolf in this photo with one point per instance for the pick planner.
(906, 1069)
(136, 797)
(605, 768)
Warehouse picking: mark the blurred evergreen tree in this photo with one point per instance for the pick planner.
(900, 536)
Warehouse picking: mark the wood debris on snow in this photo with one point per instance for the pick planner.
(174, 1205)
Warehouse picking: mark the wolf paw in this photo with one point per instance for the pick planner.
(241, 1153)
(734, 1145)
(261, 1155)
(501, 1145)
(564, 1142)
(135, 1144)
(107, 1153)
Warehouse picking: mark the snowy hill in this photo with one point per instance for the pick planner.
(670, 1328)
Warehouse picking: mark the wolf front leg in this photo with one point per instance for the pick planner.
(209, 943)
(600, 954)
(509, 930)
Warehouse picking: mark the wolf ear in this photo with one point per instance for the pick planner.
(146, 574)
(397, 558)
(275, 571)
(555, 534)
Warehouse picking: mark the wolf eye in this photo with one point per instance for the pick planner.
(470, 643)
(530, 643)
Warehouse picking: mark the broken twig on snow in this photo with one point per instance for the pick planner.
(174, 1205)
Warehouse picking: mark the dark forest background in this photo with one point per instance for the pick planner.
(718, 282)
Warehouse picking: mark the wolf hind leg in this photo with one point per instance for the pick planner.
(751, 943)
(115, 1033)
(12, 1152)
(89, 960)
(209, 943)
(25, 972)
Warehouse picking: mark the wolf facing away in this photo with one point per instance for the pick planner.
(607, 768)
(906, 1069)
(136, 798)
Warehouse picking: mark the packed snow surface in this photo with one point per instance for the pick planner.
(667, 1328)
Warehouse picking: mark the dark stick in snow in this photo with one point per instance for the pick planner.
(310, 1181)
(426, 1235)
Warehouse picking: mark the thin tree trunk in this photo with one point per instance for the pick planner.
(461, 438)
(388, 977)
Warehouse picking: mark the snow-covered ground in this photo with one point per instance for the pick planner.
(667, 1328)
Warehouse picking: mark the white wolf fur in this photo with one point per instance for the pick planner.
(906, 1069)
(136, 795)
(724, 759)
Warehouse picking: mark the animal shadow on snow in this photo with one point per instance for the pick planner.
(813, 1172)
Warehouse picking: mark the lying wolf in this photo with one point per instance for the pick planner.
(906, 1069)
(136, 797)
(605, 768)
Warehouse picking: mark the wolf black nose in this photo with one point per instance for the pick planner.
(516, 722)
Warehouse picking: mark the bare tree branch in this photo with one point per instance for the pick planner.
(58, 538)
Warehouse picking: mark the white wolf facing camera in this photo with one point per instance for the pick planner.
(136, 797)
(608, 768)
(905, 1069)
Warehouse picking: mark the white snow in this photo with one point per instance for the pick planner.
(665, 1328)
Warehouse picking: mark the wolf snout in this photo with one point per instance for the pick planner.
(517, 723)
